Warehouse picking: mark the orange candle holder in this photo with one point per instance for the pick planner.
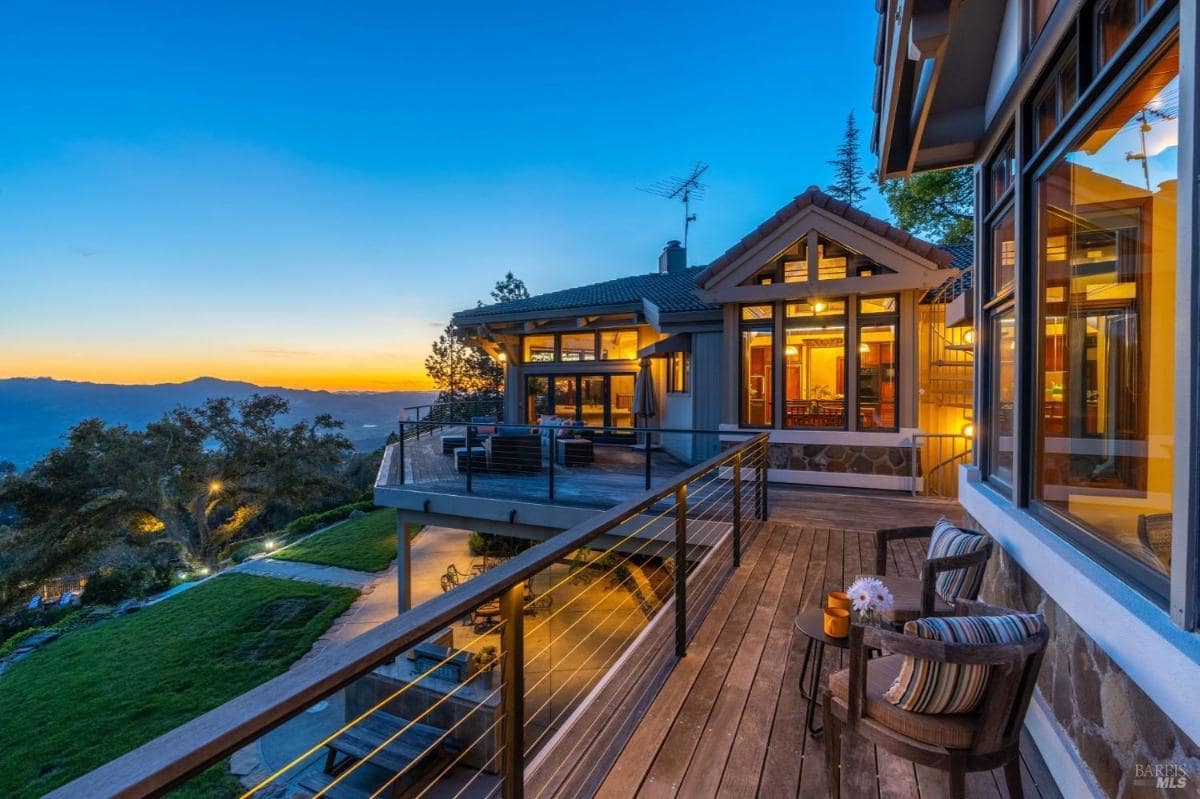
(838, 599)
(837, 622)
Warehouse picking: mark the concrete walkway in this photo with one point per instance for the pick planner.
(432, 551)
(308, 572)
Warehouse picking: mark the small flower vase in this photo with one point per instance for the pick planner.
(870, 618)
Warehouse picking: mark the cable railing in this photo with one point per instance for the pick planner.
(523, 679)
(434, 416)
(556, 461)
(935, 458)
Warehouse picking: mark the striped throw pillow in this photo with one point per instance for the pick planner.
(927, 686)
(947, 541)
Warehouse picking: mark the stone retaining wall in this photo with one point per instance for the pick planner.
(842, 459)
(1113, 725)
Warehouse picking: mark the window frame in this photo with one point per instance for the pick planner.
(744, 326)
(1155, 32)
(868, 319)
(685, 384)
(558, 337)
(790, 322)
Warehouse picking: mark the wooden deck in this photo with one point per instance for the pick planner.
(729, 720)
(617, 474)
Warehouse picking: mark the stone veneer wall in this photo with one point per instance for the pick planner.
(1112, 723)
(842, 458)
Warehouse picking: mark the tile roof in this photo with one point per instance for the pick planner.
(961, 255)
(670, 292)
(814, 196)
(962, 259)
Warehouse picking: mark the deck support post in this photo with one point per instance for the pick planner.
(737, 509)
(512, 693)
(403, 565)
(681, 571)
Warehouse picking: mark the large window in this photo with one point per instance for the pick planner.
(618, 345)
(877, 376)
(1115, 20)
(1059, 92)
(679, 372)
(1106, 245)
(1004, 251)
(999, 319)
(539, 349)
(1002, 382)
(757, 367)
(577, 347)
(607, 345)
(814, 359)
(593, 400)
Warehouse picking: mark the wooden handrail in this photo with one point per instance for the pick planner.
(170, 759)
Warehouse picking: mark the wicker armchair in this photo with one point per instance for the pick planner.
(987, 738)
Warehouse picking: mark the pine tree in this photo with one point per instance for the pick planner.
(510, 288)
(848, 173)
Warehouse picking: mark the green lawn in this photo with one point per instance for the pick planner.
(365, 544)
(99, 692)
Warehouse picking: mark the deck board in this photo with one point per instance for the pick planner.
(729, 721)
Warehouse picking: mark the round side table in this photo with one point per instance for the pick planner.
(811, 623)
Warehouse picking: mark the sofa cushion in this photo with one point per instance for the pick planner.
(951, 731)
(930, 686)
(948, 541)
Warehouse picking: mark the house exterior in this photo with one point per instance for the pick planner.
(1078, 119)
(810, 327)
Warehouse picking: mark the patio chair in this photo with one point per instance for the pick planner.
(1154, 532)
(985, 738)
(514, 450)
(958, 576)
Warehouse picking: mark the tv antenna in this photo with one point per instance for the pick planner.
(684, 189)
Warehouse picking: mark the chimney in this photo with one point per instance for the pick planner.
(673, 258)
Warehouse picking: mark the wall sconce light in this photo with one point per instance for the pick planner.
(791, 351)
(502, 356)
(968, 430)
(819, 306)
(864, 347)
(969, 336)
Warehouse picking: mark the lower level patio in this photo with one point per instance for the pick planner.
(730, 718)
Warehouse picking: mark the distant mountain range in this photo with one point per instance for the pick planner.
(36, 412)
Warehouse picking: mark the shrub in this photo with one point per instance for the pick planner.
(315, 521)
(502, 546)
(110, 584)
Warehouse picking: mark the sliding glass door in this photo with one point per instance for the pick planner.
(592, 400)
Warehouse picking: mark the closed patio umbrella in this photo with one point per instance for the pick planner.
(643, 396)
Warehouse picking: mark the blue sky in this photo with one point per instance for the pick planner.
(299, 194)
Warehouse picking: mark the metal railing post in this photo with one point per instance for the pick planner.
(550, 465)
(737, 509)
(512, 692)
(761, 492)
(402, 451)
(913, 462)
(470, 459)
(681, 571)
(647, 442)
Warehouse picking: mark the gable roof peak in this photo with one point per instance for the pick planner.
(816, 197)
